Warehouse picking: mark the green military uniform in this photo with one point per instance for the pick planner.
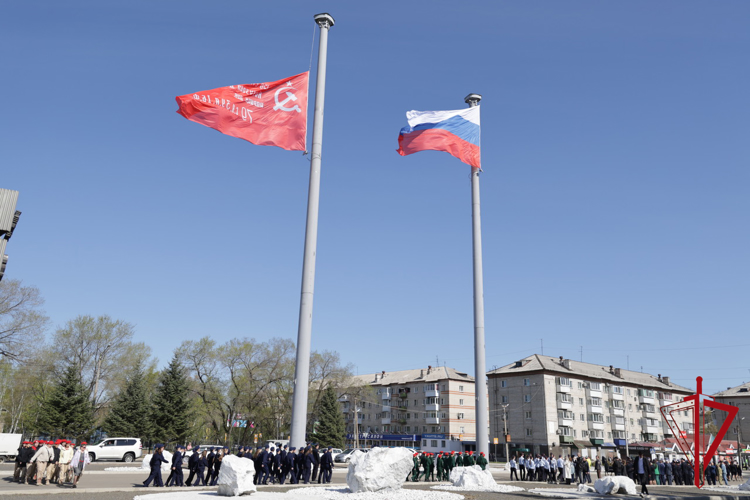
(440, 471)
(459, 460)
(431, 463)
(481, 461)
(415, 469)
(425, 467)
(468, 459)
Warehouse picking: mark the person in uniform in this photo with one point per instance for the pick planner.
(201, 465)
(290, 468)
(19, 471)
(308, 464)
(326, 465)
(192, 464)
(41, 458)
(482, 461)
(316, 462)
(217, 467)
(156, 460)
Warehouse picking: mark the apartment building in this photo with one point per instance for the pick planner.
(740, 397)
(557, 405)
(427, 408)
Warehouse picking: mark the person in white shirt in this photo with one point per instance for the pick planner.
(513, 468)
(522, 466)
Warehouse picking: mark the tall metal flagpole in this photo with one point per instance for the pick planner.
(304, 331)
(480, 370)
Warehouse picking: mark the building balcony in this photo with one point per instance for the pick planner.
(620, 412)
(599, 426)
(563, 388)
(432, 407)
(431, 393)
(596, 409)
(646, 400)
(564, 405)
(386, 408)
(385, 395)
(565, 422)
(619, 397)
(403, 395)
(385, 421)
(432, 420)
(650, 413)
(618, 427)
(593, 393)
(652, 429)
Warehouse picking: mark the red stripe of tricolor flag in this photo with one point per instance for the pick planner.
(266, 114)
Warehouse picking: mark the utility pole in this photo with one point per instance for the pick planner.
(505, 431)
(356, 425)
(480, 369)
(304, 329)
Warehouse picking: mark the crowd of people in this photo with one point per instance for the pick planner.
(642, 470)
(427, 464)
(50, 462)
(277, 464)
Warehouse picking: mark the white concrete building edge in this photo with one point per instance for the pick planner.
(235, 476)
(382, 469)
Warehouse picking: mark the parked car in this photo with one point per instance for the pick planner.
(346, 455)
(336, 451)
(125, 449)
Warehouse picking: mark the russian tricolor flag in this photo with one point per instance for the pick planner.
(455, 132)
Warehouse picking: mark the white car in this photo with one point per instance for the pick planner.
(346, 455)
(125, 449)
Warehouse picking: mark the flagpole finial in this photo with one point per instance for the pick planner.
(472, 99)
(324, 20)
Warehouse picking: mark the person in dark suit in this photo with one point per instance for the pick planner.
(326, 465)
(156, 460)
(176, 464)
(288, 467)
(642, 470)
(192, 462)
(316, 462)
(200, 466)
(218, 458)
(264, 466)
(210, 458)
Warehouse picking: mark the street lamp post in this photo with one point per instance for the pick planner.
(505, 430)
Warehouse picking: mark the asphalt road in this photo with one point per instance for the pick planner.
(97, 483)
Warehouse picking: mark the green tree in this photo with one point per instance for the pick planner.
(331, 427)
(130, 411)
(67, 410)
(22, 321)
(171, 412)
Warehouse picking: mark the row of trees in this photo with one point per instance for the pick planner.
(93, 377)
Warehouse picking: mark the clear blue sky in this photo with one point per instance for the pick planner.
(615, 194)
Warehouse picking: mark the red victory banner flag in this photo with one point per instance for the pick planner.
(266, 114)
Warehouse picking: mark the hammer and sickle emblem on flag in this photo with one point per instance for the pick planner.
(289, 97)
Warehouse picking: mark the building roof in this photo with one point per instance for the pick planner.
(735, 392)
(419, 375)
(568, 367)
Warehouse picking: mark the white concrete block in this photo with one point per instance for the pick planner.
(381, 469)
(235, 476)
(472, 477)
(610, 485)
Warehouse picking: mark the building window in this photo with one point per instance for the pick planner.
(580, 385)
(460, 416)
(629, 395)
(527, 398)
(503, 383)
(580, 401)
(442, 444)
(584, 433)
(526, 382)
(583, 417)
(505, 399)
(527, 414)
(433, 443)
(460, 402)
(616, 389)
(564, 381)
(595, 386)
(460, 388)
(529, 433)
